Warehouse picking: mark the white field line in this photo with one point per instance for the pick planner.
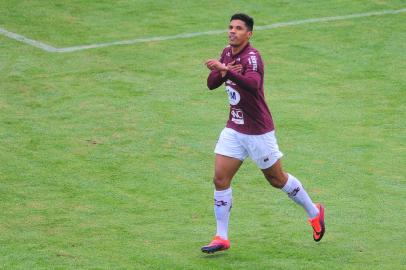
(49, 48)
(29, 41)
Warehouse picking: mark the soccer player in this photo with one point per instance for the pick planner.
(249, 132)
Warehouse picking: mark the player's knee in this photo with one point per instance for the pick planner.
(276, 182)
(221, 183)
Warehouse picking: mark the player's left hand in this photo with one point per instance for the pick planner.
(234, 67)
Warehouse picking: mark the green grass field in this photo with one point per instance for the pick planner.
(106, 155)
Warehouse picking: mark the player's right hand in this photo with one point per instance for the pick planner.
(214, 64)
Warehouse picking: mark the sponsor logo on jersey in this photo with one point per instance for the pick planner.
(233, 95)
(237, 116)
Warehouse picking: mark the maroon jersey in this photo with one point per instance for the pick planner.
(249, 113)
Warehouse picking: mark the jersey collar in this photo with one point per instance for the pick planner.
(246, 46)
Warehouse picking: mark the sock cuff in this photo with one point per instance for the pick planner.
(289, 184)
(223, 193)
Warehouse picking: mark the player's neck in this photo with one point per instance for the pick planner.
(238, 49)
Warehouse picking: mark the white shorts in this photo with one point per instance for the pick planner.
(262, 149)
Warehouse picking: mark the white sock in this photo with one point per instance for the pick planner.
(223, 201)
(297, 193)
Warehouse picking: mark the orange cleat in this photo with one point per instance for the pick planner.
(217, 244)
(318, 224)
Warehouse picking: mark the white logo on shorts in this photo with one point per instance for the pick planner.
(237, 116)
(233, 95)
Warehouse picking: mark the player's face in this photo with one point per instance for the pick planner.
(238, 33)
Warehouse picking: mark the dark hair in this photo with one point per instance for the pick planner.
(249, 22)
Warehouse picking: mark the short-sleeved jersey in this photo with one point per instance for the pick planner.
(249, 113)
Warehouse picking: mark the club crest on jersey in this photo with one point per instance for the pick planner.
(233, 95)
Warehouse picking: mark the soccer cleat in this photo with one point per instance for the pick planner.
(318, 224)
(217, 244)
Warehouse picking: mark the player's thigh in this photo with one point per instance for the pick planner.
(263, 149)
(230, 154)
(225, 168)
(229, 144)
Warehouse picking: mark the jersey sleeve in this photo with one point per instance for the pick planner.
(251, 78)
(215, 80)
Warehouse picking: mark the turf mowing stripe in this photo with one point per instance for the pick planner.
(49, 48)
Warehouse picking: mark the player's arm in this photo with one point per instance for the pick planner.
(219, 71)
(215, 80)
(251, 79)
(216, 76)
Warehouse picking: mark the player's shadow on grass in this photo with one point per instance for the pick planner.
(213, 256)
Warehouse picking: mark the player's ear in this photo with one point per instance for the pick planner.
(249, 34)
